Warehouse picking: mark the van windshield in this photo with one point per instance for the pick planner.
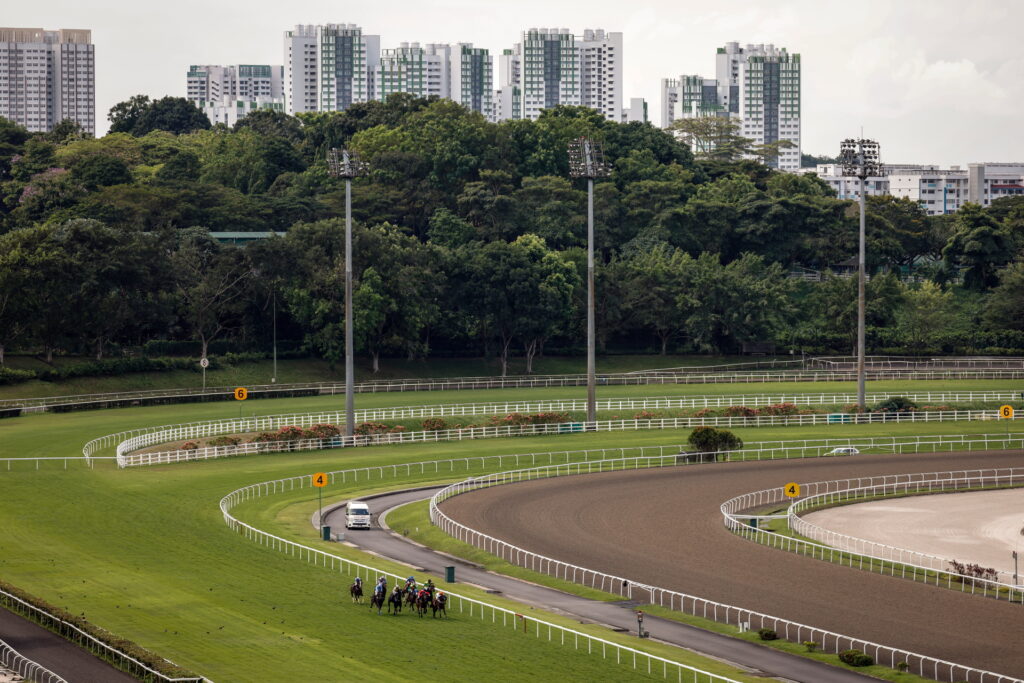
(359, 511)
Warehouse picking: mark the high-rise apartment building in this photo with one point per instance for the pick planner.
(549, 67)
(471, 77)
(636, 111)
(410, 68)
(759, 85)
(328, 67)
(228, 93)
(47, 77)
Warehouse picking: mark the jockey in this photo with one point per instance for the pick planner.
(359, 581)
(410, 582)
(429, 586)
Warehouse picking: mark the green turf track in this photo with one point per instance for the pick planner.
(145, 553)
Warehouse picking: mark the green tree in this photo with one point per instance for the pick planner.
(124, 116)
(979, 246)
(1004, 305)
(98, 171)
(713, 137)
(173, 114)
(210, 284)
(927, 312)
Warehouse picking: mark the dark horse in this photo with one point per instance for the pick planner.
(356, 591)
(422, 603)
(410, 598)
(377, 600)
(395, 601)
(439, 605)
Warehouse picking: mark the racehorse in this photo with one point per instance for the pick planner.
(356, 591)
(377, 600)
(410, 598)
(422, 603)
(439, 605)
(395, 600)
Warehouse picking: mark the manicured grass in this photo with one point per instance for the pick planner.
(145, 553)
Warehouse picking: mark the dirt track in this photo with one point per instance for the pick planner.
(664, 527)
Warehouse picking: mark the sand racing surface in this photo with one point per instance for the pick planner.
(980, 527)
(663, 527)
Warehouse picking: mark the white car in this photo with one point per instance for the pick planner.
(844, 450)
(357, 515)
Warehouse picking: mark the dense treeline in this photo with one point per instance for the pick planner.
(470, 238)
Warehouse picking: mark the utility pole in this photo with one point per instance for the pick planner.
(341, 163)
(860, 158)
(586, 160)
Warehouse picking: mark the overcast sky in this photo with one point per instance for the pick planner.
(934, 81)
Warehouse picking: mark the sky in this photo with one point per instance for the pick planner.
(934, 81)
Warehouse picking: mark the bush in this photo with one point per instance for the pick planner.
(646, 415)
(855, 658)
(810, 645)
(190, 446)
(434, 424)
(290, 433)
(364, 428)
(780, 409)
(767, 634)
(323, 431)
(265, 437)
(739, 411)
(709, 439)
(515, 419)
(224, 441)
(12, 376)
(902, 666)
(896, 404)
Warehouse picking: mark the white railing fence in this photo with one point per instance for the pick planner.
(462, 605)
(640, 378)
(853, 552)
(930, 667)
(25, 667)
(126, 457)
(266, 422)
(9, 463)
(941, 483)
(76, 635)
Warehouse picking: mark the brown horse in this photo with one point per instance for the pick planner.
(377, 600)
(356, 591)
(395, 601)
(439, 604)
(410, 598)
(422, 603)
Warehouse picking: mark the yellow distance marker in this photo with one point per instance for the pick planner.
(1006, 412)
(241, 393)
(319, 480)
(792, 490)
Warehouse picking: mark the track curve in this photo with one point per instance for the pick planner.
(663, 527)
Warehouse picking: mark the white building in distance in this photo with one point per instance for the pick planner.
(939, 191)
(758, 85)
(47, 77)
(636, 111)
(327, 67)
(228, 93)
(552, 66)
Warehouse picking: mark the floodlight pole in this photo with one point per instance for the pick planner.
(591, 354)
(586, 161)
(344, 164)
(860, 158)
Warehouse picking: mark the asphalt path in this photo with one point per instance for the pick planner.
(618, 615)
(56, 654)
(663, 527)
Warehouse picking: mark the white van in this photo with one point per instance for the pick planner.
(357, 515)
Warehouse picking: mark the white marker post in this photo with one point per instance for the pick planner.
(204, 363)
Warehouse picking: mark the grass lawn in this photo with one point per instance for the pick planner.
(145, 553)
